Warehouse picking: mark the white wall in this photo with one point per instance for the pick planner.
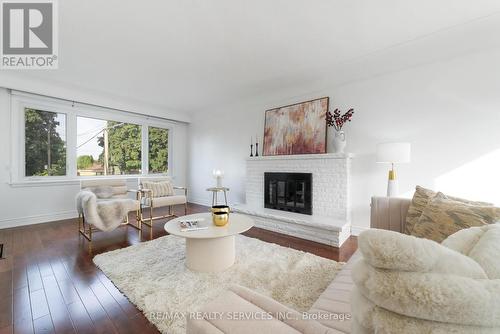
(448, 110)
(21, 205)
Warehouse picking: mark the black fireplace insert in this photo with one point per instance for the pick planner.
(288, 192)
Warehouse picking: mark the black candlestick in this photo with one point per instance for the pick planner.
(251, 150)
(256, 149)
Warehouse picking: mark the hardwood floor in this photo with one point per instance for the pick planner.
(49, 284)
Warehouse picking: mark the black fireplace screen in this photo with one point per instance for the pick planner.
(288, 192)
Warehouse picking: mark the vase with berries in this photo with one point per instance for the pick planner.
(337, 120)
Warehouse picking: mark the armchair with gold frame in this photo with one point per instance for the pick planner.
(118, 192)
(151, 200)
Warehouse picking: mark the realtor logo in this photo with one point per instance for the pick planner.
(29, 34)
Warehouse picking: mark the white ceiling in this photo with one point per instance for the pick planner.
(191, 55)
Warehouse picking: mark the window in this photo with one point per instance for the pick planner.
(158, 150)
(45, 143)
(107, 147)
(57, 141)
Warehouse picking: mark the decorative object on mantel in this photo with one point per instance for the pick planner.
(1, 252)
(296, 129)
(337, 121)
(251, 147)
(256, 146)
(393, 153)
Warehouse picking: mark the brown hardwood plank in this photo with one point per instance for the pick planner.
(43, 325)
(57, 307)
(81, 319)
(39, 306)
(6, 311)
(34, 278)
(7, 330)
(99, 317)
(22, 319)
(5, 284)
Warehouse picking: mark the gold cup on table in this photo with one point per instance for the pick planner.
(220, 215)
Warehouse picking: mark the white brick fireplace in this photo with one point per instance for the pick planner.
(330, 219)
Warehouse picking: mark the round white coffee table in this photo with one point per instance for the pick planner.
(212, 249)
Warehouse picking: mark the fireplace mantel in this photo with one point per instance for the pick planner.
(303, 157)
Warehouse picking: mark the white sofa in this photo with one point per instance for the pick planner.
(458, 286)
(332, 309)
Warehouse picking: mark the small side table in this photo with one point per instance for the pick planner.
(215, 191)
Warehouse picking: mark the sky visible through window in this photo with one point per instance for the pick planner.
(87, 129)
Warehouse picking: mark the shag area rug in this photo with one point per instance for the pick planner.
(154, 277)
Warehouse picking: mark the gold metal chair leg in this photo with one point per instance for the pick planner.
(83, 230)
(185, 208)
(151, 215)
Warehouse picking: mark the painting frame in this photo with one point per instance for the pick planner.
(267, 151)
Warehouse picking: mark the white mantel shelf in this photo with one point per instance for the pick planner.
(303, 157)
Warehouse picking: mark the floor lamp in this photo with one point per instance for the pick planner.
(393, 153)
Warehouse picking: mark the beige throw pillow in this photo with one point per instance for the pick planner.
(419, 202)
(160, 188)
(444, 216)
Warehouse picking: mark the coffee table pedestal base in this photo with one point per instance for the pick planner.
(211, 254)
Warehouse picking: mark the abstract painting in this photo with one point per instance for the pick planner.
(296, 129)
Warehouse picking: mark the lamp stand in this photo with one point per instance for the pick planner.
(392, 184)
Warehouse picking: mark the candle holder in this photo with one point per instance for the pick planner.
(256, 149)
(251, 150)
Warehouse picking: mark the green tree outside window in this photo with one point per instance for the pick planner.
(45, 146)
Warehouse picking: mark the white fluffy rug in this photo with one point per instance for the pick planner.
(153, 276)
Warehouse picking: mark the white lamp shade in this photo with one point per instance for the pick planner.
(393, 152)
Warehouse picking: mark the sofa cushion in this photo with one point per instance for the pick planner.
(165, 201)
(333, 307)
(481, 244)
(396, 251)
(443, 216)
(159, 188)
(421, 198)
(486, 252)
(241, 310)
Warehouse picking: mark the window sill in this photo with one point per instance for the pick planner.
(75, 181)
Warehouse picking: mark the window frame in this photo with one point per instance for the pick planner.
(20, 101)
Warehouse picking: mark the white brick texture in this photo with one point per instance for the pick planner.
(330, 189)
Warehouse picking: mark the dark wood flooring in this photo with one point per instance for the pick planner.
(49, 284)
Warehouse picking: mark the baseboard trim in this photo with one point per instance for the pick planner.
(356, 230)
(37, 219)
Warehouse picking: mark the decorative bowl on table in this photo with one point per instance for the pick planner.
(220, 215)
(220, 218)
